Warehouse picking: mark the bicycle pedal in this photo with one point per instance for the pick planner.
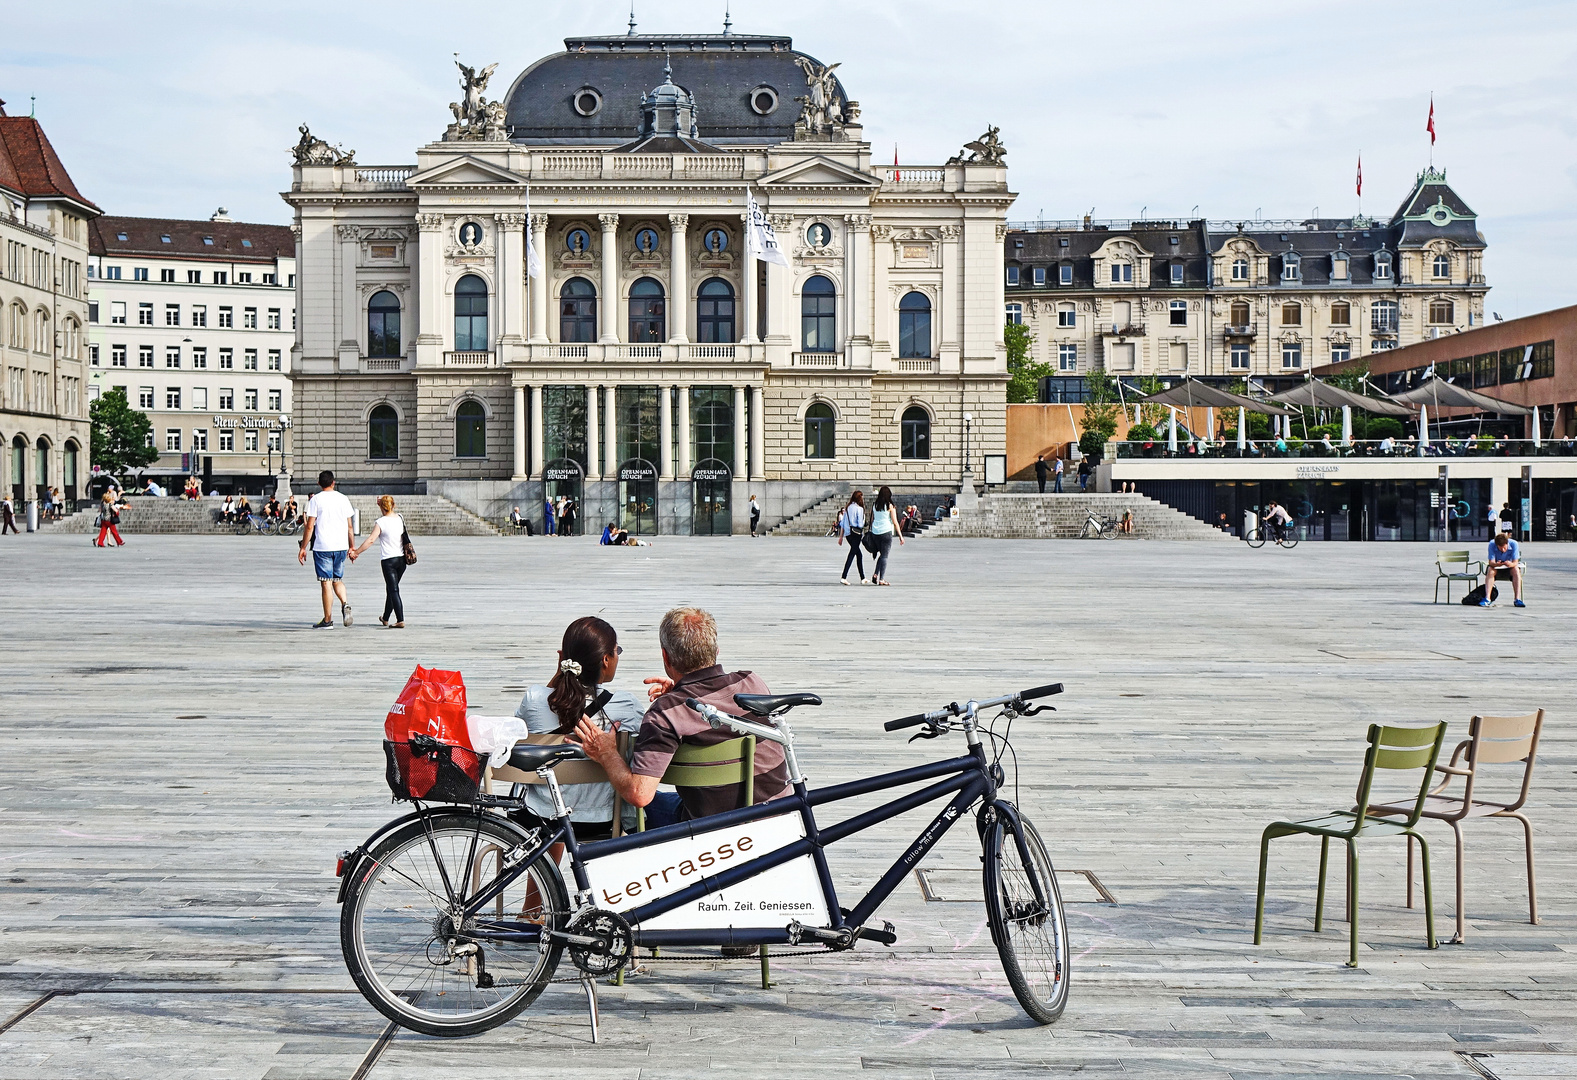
(884, 936)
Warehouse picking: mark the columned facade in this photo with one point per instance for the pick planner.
(654, 360)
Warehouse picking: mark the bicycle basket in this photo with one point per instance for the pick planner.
(427, 746)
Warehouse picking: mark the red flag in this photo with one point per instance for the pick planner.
(1360, 174)
(897, 176)
(1431, 126)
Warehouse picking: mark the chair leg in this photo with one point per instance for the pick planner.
(1319, 894)
(1352, 901)
(1533, 892)
(1456, 827)
(1259, 903)
(1409, 871)
(766, 972)
(1429, 896)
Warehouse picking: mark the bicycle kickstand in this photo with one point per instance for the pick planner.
(589, 984)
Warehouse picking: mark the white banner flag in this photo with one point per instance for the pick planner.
(760, 240)
(533, 257)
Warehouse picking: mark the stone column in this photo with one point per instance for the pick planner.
(684, 433)
(782, 330)
(741, 433)
(665, 438)
(349, 302)
(593, 468)
(679, 280)
(536, 430)
(758, 433)
(881, 299)
(947, 330)
(747, 281)
(611, 432)
(511, 276)
(429, 337)
(539, 287)
(520, 433)
(609, 320)
(857, 271)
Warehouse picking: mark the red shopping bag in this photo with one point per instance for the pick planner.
(427, 747)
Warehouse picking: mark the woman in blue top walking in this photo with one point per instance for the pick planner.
(851, 527)
(884, 526)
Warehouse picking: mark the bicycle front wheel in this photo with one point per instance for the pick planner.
(414, 954)
(1024, 908)
(1256, 539)
(1108, 530)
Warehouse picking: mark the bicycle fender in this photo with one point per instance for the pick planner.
(354, 858)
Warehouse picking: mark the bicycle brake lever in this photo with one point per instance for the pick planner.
(932, 731)
(1039, 709)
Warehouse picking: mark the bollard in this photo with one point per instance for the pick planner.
(355, 521)
(32, 515)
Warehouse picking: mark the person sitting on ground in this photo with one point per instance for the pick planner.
(688, 637)
(1505, 556)
(1126, 524)
(1278, 519)
(911, 519)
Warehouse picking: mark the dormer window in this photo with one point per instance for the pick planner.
(1065, 274)
(1040, 275)
(1012, 275)
(1122, 273)
(120, 236)
(208, 241)
(1177, 273)
(1443, 266)
(1291, 267)
(1339, 266)
(1239, 269)
(165, 238)
(1382, 266)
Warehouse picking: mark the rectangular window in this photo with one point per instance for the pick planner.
(226, 359)
(1065, 273)
(117, 313)
(273, 318)
(172, 356)
(1016, 314)
(1122, 272)
(172, 438)
(1178, 310)
(1543, 360)
(249, 318)
(199, 439)
(167, 276)
(1339, 353)
(1012, 275)
(199, 356)
(1067, 357)
(226, 399)
(1067, 316)
(270, 279)
(144, 355)
(1040, 275)
(194, 277)
(251, 401)
(1123, 356)
(93, 311)
(93, 355)
(221, 277)
(112, 273)
(200, 398)
(117, 356)
(1291, 355)
(139, 273)
(274, 400)
(199, 314)
(226, 318)
(251, 439)
(1177, 273)
(144, 397)
(144, 314)
(1177, 356)
(251, 359)
(172, 397)
(275, 443)
(1511, 361)
(1239, 360)
(1341, 314)
(227, 440)
(243, 279)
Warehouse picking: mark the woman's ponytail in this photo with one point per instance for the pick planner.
(587, 643)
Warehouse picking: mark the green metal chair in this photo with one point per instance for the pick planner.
(1399, 748)
(730, 762)
(1446, 564)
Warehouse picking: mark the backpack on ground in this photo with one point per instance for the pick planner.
(1477, 596)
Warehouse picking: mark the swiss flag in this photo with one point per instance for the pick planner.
(1360, 174)
(1431, 126)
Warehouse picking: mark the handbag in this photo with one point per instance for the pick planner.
(869, 540)
(407, 548)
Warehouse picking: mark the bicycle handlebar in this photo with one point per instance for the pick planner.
(955, 709)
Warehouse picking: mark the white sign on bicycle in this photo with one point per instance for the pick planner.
(628, 880)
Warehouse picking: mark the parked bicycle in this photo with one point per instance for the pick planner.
(1276, 534)
(291, 526)
(1095, 526)
(256, 523)
(453, 921)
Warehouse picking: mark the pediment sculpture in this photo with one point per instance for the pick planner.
(311, 150)
(986, 150)
(476, 118)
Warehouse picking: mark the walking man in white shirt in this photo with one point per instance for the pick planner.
(331, 537)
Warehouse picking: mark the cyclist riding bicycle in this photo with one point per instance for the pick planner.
(1278, 519)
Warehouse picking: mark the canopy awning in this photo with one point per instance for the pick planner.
(1191, 394)
(1436, 393)
(1323, 395)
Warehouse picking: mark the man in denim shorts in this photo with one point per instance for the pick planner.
(331, 537)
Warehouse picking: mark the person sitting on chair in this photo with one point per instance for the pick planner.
(515, 519)
(688, 637)
(1504, 558)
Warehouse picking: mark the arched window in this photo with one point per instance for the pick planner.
(1291, 314)
(820, 431)
(1443, 266)
(383, 324)
(647, 323)
(383, 434)
(1240, 313)
(578, 311)
(18, 466)
(915, 434)
(68, 472)
(470, 430)
(818, 310)
(41, 331)
(470, 314)
(41, 469)
(914, 325)
(1442, 312)
(1239, 269)
(714, 307)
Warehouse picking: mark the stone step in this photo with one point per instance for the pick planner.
(425, 515)
(1013, 515)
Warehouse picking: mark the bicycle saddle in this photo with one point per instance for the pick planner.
(767, 704)
(529, 757)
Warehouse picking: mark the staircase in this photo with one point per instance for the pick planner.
(1060, 517)
(425, 515)
(815, 520)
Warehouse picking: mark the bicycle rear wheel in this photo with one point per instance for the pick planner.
(1289, 541)
(1108, 530)
(398, 923)
(1024, 908)
(1256, 539)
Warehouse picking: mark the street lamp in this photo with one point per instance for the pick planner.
(968, 463)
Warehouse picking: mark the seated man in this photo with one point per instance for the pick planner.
(1504, 556)
(515, 518)
(688, 637)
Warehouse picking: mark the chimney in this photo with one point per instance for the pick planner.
(220, 214)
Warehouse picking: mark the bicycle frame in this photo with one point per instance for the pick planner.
(968, 778)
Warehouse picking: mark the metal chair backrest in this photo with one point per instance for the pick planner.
(1401, 748)
(1443, 559)
(1495, 740)
(730, 762)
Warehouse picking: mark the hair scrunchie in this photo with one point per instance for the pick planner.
(571, 666)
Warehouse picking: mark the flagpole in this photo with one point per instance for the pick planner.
(749, 275)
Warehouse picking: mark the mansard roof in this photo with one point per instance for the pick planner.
(1433, 211)
(233, 241)
(721, 71)
(29, 165)
(1046, 248)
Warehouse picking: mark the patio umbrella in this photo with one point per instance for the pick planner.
(1536, 441)
(1210, 422)
(1346, 425)
(1171, 431)
(1242, 429)
(1423, 429)
(1439, 393)
(1190, 393)
(1317, 393)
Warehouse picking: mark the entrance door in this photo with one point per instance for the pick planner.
(562, 479)
(638, 497)
(714, 484)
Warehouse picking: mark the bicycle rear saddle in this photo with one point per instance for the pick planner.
(769, 704)
(529, 757)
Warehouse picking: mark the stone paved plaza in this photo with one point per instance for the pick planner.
(183, 757)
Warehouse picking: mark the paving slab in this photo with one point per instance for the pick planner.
(182, 757)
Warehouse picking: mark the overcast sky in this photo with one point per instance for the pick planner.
(173, 109)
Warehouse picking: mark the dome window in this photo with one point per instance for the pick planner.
(763, 101)
(587, 101)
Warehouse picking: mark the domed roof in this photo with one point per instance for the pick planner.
(743, 86)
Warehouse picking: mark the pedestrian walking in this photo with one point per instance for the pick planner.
(755, 515)
(331, 537)
(388, 532)
(547, 517)
(1056, 470)
(109, 518)
(8, 514)
(1041, 471)
(1084, 474)
(884, 526)
(567, 514)
(851, 527)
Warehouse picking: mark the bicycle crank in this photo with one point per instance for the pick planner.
(600, 942)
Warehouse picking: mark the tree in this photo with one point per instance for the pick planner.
(1024, 374)
(121, 434)
(1355, 378)
(1100, 412)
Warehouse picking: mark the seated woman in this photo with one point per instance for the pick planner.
(227, 511)
(587, 660)
(243, 509)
